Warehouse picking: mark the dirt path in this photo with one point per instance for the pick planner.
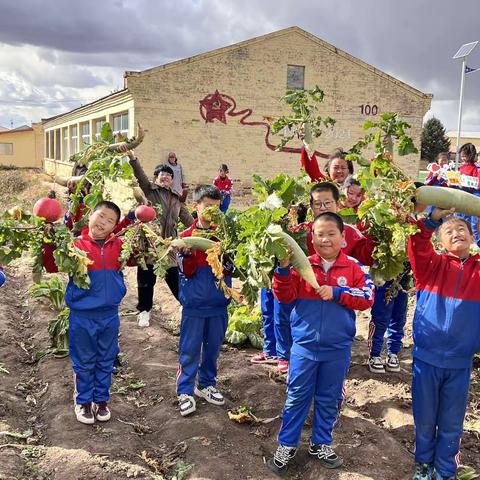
(147, 437)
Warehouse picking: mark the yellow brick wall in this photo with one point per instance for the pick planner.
(255, 75)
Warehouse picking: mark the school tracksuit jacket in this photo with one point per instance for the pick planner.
(322, 333)
(276, 315)
(472, 170)
(204, 320)
(446, 333)
(94, 321)
(225, 187)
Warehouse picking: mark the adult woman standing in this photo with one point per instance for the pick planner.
(159, 192)
(179, 186)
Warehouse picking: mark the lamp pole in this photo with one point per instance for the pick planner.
(462, 53)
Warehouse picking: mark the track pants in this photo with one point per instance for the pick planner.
(200, 341)
(320, 381)
(93, 338)
(283, 329)
(439, 397)
(266, 307)
(146, 281)
(387, 317)
(225, 204)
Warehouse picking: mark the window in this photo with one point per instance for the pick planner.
(57, 144)
(51, 141)
(120, 124)
(65, 144)
(47, 144)
(73, 139)
(6, 148)
(85, 133)
(295, 77)
(98, 127)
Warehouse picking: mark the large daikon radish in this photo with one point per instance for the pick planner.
(447, 198)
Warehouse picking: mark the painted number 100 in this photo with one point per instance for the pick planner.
(369, 109)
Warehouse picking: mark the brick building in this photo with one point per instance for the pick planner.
(203, 107)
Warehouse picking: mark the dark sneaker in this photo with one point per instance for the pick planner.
(393, 363)
(423, 471)
(84, 414)
(279, 462)
(102, 412)
(326, 454)
(375, 365)
(263, 358)
(186, 404)
(210, 394)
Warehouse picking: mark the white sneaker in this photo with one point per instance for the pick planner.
(186, 404)
(393, 363)
(144, 319)
(210, 394)
(375, 365)
(84, 414)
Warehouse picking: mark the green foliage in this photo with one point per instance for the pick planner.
(304, 121)
(388, 198)
(245, 324)
(53, 289)
(467, 473)
(434, 140)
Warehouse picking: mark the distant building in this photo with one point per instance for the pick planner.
(214, 107)
(22, 146)
(466, 137)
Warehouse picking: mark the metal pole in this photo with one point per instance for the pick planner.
(459, 126)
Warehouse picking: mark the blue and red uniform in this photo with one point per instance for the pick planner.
(204, 320)
(225, 187)
(472, 170)
(356, 245)
(94, 321)
(446, 334)
(321, 349)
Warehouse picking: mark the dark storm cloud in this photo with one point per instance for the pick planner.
(410, 39)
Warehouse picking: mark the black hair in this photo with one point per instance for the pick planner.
(352, 181)
(417, 185)
(162, 168)
(325, 187)
(339, 153)
(470, 150)
(110, 206)
(206, 191)
(442, 154)
(224, 167)
(450, 219)
(330, 217)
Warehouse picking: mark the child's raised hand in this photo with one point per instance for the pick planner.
(326, 292)
(438, 213)
(124, 149)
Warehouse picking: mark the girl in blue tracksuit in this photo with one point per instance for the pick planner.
(321, 349)
(446, 334)
(94, 322)
(204, 314)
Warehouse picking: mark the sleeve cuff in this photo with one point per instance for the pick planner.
(431, 224)
(336, 293)
(131, 216)
(283, 271)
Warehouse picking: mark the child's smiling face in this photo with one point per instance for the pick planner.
(455, 237)
(327, 239)
(102, 222)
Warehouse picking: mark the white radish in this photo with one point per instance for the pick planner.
(298, 258)
(447, 198)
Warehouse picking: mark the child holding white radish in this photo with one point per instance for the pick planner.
(321, 348)
(204, 313)
(446, 333)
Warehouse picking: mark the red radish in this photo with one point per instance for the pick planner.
(145, 214)
(48, 208)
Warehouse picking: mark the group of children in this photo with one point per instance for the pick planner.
(316, 349)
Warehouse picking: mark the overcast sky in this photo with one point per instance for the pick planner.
(58, 54)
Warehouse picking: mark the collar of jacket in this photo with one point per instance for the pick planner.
(86, 236)
(340, 261)
(475, 257)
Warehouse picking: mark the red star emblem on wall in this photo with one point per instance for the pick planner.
(214, 106)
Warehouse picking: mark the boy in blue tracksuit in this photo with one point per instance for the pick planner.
(446, 334)
(94, 321)
(321, 349)
(204, 314)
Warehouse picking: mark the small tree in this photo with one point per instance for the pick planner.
(434, 140)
